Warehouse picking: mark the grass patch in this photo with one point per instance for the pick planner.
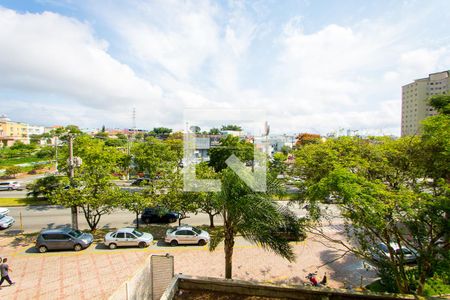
(7, 162)
(22, 201)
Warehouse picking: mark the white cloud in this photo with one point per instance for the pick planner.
(53, 54)
(204, 54)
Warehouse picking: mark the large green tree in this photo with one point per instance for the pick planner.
(389, 193)
(91, 188)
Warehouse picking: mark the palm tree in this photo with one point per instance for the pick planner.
(254, 215)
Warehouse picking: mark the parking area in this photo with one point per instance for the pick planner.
(96, 272)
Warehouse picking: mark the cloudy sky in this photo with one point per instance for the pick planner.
(312, 65)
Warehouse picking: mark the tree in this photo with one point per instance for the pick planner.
(307, 138)
(12, 171)
(195, 129)
(214, 131)
(160, 132)
(388, 195)
(277, 164)
(93, 193)
(441, 103)
(208, 202)
(46, 186)
(47, 152)
(155, 157)
(175, 199)
(253, 215)
(231, 127)
(230, 145)
(135, 201)
(91, 189)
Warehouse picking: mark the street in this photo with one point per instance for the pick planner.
(37, 218)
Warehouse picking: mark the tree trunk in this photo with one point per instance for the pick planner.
(211, 220)
(229, 244)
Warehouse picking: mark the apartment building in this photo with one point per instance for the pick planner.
(11, 131)
(415, 97)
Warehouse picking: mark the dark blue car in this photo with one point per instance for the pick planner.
(159, 215)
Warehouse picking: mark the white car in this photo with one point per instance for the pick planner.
(381, 251)
(186, 235)
(128, 237)
(10, 185)
(6, 221)
(4, 211)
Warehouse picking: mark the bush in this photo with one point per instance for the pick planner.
(46, 152)
(13, 171)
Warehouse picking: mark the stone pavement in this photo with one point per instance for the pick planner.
(95, 273)
(69, 275)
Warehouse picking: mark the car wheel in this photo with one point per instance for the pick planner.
(202, 243)
(77, 247)
(173, 243)
(112, 246)
(142, 245)
(172, 220)
(42, 249)
(10, 189)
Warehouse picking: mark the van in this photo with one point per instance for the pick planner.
(63, 239)
(10, 185)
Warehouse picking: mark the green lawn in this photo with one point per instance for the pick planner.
(21, 202)
(21, 160)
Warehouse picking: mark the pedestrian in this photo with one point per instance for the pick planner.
(4, 269)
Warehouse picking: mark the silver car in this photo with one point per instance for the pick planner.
(128, 237)
(186, 235)
(10, 185)
(382, 252)
(6, 221)
(4, 211)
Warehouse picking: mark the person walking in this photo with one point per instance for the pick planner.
(4, 269)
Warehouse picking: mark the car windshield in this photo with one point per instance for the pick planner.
(75, 233)
(137, 233)
(1, 216)
(196, 230)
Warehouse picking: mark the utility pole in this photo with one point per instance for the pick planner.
(71, 176)
(56, 153)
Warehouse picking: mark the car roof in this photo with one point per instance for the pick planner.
(57, 230)
(126, 229)
(185, 227)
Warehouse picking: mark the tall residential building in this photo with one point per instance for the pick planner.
(414, 100)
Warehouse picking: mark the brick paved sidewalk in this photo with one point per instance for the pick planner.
(69, 275)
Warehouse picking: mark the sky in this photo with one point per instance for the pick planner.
(312, 66)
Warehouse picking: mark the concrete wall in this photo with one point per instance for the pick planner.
(149, 281)
(139, 286)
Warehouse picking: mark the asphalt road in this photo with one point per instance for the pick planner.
(36, 218)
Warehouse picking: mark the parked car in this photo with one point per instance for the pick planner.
(128, 237)
(4, 211)
(63, 239)
(10, 185)
(159, 215)
(381, 251)
(186, 235)
(141, 181)
(6, 221)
